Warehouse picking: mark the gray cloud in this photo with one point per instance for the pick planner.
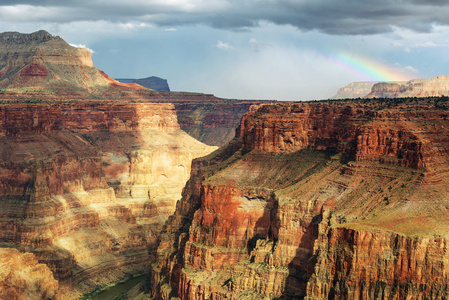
(336, 17)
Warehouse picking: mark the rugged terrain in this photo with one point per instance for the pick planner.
(90, 168)
(433, 87)
(86, 186)
(320, 200)
(331, 199)
(355, 90)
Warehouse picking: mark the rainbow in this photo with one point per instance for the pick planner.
(368, 69)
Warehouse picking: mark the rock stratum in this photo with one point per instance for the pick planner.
(433, 87)
(355, 90)
(86, 186)
(90, 168)
(319, 200)
(39, 67)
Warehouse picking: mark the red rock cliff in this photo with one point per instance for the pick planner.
(315, 200)
(87, 186)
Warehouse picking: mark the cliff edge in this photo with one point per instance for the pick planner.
(320, 200)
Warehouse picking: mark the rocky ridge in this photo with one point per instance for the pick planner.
(317, 201)
(22, 277)
(152, 82)
(433, 87)
(355, 90)
(86, 186)
(91, 168)
(42, 62)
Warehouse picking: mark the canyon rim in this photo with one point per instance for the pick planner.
(215, 198)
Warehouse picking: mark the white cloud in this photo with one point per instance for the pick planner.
(411, 69)
(134, 25)
(82, 46)
(170, 29)
(224, 46)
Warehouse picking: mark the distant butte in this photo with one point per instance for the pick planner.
(355, 90)
(433, 87)
(152, 82)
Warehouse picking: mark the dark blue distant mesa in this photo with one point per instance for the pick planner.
(153, 82)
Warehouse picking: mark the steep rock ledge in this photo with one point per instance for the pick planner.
(87, 186)
(297, 204)
(22, 277)
(373, 264)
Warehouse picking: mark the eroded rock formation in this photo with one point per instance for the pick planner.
(22, 277)
(354, 90)
(90, 168)
(86, 186)
(316, 201)
(42, 62)
(433, 87)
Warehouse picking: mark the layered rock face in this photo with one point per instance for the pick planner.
(315, 201)
(87, 186)
(433, 87)
(354, 90)
(39, 67)
(90, 168)
(22, 277)
(42, 62)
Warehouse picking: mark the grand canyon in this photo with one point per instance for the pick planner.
(214, 198)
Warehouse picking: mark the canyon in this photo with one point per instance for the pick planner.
(90, 168)
(213, 198)
(86, 186)
(318, 200)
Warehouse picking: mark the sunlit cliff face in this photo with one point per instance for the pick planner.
(87, 186)
(316, 200)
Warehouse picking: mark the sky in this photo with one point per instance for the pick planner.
(249, 49)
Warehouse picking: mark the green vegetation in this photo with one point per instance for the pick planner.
(439, 103)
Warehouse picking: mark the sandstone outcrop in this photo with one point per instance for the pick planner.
(90, 168)
(87, 186)
(354, 90)
(39, 67)
(40, 61)
(338, 200)
(22, 277)
(433, 87)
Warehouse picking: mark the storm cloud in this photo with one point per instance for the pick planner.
(335, 17)
(249, 49)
